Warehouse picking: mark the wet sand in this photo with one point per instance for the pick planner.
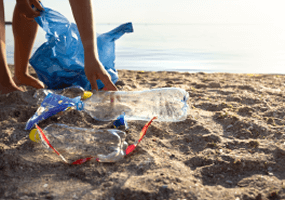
(231, 146)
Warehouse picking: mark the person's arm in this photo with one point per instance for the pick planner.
(83, 15)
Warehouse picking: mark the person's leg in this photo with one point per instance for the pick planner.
(6, 82)
(24, 36)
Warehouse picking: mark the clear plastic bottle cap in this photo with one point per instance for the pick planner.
(34, 135)
(86, 95)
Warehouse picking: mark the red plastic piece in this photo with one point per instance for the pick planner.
(80, 161)
(132, 147)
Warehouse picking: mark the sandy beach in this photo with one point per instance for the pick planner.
(231, 146)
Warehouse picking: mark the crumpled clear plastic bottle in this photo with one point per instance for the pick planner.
(167, 104)
(106, 145)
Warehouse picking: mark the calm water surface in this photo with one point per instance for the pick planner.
(234, 48)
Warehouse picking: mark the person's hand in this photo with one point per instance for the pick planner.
(26, 9)
(94, 70)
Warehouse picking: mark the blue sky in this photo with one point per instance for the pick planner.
(178, 11)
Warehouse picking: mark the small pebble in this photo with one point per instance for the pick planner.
(229, 126)
(158, 180)
(44, 193)
(45, 185)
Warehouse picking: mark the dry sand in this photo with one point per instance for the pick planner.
(231, 146)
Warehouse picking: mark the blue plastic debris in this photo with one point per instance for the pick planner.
(120, 121)
(51, 105)
(59, 62)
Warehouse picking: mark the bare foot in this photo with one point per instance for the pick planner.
(9, 88)
(28, 80)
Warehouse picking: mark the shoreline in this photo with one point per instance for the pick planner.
(231, 146)
(32, 71)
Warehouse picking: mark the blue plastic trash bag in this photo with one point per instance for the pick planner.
(59, 62)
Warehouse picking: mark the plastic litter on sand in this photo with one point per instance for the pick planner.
(106, 145)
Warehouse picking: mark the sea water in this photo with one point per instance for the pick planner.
(233, 48)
